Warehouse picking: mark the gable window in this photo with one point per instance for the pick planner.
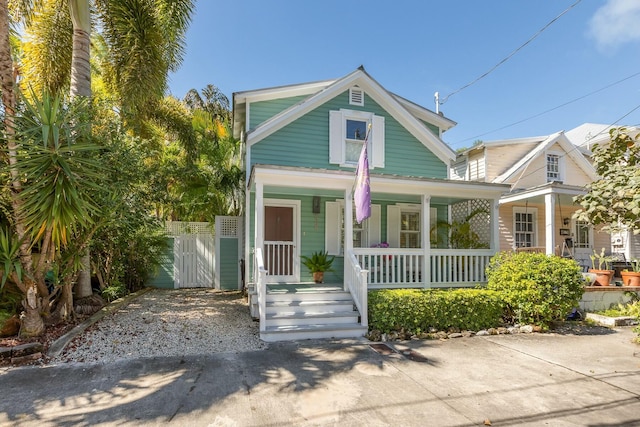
(347, 132)
(524, 227)
(553, 167)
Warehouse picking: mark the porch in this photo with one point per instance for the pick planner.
(422, 233)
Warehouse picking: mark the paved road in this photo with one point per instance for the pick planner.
(532, 380)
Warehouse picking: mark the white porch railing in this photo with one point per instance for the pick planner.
(459, 267)
(394, 267)
(391, 266)
(261, 287)
(355, 282)
(279, 257)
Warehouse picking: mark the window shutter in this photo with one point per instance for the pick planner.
(332, 227)
(336, 137)
(377, 137)
(393, 226)
(374, 221)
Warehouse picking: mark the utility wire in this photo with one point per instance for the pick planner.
(576, 147)
(446, 98)
(549, 110)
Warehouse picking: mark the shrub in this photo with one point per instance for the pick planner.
(418, 310)
(536, 287)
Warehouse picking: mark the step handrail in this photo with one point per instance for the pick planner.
(261, 288)
(356, 283)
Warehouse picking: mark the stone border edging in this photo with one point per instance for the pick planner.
(58, 345)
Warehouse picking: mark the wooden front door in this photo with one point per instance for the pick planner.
(280, 254)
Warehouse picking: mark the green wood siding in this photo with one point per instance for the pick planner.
(305, 142)
(261, 111)
(164, 275)
(229, 266)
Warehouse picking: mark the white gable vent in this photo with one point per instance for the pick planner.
(356, 96)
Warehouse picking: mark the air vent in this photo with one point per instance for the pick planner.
(356, 96)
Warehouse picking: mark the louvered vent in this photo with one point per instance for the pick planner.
(356, 96)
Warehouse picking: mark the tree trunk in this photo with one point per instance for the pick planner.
(32, 324)
(81, 86)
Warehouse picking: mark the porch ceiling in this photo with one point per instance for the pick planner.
(564, 194)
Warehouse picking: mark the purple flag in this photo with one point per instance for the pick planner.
(362, 193)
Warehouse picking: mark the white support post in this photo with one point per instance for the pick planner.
(426, 241)
(495, 225)
(550, 223)
(348, 228)
(259, 218)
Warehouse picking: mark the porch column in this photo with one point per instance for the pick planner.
(550, 223)
(259, 220)
(348, 230)
(426, 240)
(495, 225)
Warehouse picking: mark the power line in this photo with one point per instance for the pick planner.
(446, 98)
(549, 110)
(575, 147)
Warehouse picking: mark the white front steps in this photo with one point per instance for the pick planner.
(305, 311)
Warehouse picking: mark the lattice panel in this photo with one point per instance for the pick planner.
(177, 228)
(481, 222)
(228, 226)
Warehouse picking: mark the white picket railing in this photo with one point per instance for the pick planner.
(261, 287)
(391, 266)
(355, 282)
(394, 267)
(279, 257)
(459, 267)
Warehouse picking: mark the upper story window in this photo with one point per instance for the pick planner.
(347, 132)
(356, 134)
(553, 167)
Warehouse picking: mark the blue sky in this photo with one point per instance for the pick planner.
(415, 48)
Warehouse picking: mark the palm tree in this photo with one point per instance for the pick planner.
(144, 40)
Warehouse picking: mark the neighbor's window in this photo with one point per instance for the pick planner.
(553, 167)
(524, 228)
(581, 237)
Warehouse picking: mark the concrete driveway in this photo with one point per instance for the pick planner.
(507, 380)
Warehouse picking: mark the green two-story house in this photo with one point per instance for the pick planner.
(302, 144)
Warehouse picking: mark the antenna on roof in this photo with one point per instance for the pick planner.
(437, 98)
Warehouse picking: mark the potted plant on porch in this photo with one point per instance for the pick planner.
(603, 272)
(318, 263)
(631, 278)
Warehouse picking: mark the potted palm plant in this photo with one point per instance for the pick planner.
(318, 263)
(631, 278)
(603, 272)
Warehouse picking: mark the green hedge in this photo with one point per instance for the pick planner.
(418, 310)
(537, 288)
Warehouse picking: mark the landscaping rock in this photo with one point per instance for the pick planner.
(526, 329)
(455, 335)
(513, 330)
(5, 352)
(502, 330)
(492, 331)
(482, 333)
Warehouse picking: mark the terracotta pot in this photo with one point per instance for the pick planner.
(603, 277)
(318, 276)
(630, 278)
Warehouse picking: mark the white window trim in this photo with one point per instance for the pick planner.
(534, 211)
(337, 137)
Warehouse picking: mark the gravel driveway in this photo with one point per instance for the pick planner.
(168, 323)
